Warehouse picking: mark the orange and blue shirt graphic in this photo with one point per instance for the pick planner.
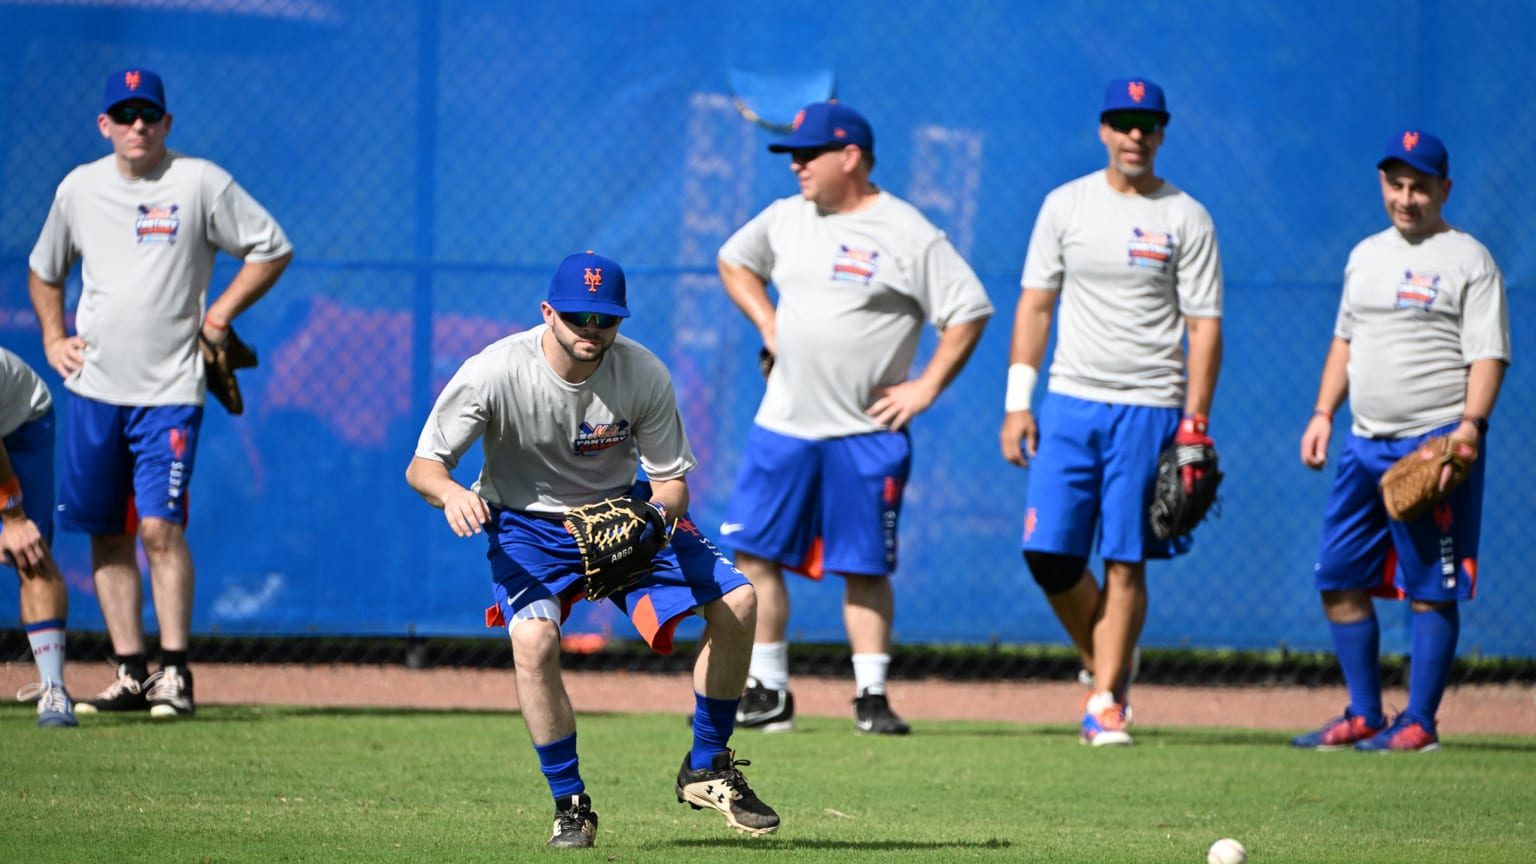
(855, 265)
(592, 438)
(157, 224)
(1417, 290)
(1150, 249)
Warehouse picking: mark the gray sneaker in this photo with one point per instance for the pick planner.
(54, 708)
(169, 692)
(575, 823)
(722, 787)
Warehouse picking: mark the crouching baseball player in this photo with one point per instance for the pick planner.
(567, 413)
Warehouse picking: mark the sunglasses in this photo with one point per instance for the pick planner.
(808, 154)
(124, 115)
(595, 319)
(1125, 121)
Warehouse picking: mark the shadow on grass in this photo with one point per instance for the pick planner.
(774, 846)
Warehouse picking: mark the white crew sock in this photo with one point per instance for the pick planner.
(869, 672)
(770, 665)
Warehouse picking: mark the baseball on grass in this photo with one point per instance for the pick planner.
(1226, 851)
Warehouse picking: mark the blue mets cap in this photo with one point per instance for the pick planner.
(822, 124)
(1419, 149)
(588, 282)
(136, 83)
(1134, 94)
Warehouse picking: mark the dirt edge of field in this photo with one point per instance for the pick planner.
(1498, 709)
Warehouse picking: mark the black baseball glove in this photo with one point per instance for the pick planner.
(1181, 499)
(221, 361)
(618, 539)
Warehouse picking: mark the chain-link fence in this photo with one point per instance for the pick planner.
(433, 161)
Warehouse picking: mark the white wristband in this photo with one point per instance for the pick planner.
(1021, 387)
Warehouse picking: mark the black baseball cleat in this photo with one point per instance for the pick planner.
(722, 787)
(169, 692)
(872, 715)
(766, 709)
(124, 694)
(575, 823)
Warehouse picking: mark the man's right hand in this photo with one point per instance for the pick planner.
(21, 544)
(465, 511)
(66, 354)
(1019, 437)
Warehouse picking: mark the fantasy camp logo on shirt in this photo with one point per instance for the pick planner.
(1418, 290)
(855, 265)
(1150, 249)
(593, 438)
(157, 224)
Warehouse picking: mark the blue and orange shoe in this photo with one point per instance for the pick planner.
(1106, 723)
(1341, 732)
(1405, 735)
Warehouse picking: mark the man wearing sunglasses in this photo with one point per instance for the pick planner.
(1133, 264)
(566, 414)
(148, 223)
(858, 272)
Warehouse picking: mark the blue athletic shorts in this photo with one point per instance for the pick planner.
(123, 463)
(1093, 474)
(30, 449)
(820, 505)
(535, 558)
(1433, 558)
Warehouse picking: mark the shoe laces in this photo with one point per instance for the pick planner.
(735, 781)
(49, 695)
(125, 683)
(165, 685)
(1112, 718)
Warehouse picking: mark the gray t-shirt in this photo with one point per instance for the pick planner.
(551, 445)
(1129, 269)
(148, 247)
(854, 290)
(1416, 314)
(23, 395)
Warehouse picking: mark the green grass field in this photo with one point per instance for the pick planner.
(262, 784)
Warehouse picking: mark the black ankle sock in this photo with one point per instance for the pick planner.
(173, 658)
(138, 667)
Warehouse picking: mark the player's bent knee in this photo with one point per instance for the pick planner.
(1055, 574)
(541, 636)
(738, 608)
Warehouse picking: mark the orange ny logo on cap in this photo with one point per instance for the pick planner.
(1137, 91)
(1410, 141)
(594, 279)
(131, 78)
(799, 118)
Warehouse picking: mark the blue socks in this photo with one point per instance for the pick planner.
(1358, 646)
(1434, 651)
(713, 722)
(558, 761)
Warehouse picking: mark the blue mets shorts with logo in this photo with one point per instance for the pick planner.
(1093, 474)
(820, 506)
(123, 463)
(534, 558)
(1433, 558)
(30, 448)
